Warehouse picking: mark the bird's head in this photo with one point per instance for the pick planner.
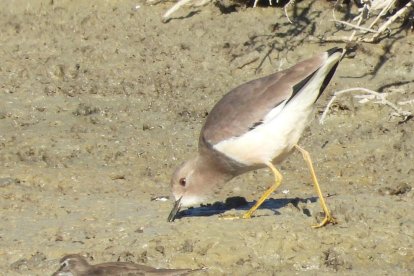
(71, 264)
(193, 182)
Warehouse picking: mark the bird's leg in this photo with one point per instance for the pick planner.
(328, 217)
(278, 181)
(248, 214)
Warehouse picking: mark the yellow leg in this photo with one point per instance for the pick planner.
(278, 181)
(328, 217)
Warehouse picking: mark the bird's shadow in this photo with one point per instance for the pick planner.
(240, 203)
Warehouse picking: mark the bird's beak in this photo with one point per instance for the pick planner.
(175, 209)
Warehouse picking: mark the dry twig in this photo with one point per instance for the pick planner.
(372, 95)
(179, 4)
(369, 8)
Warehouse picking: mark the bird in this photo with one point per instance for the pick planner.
(77, 265)
(256, 125)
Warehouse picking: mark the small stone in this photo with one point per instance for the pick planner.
(160, 249)
(6, 181)
(85, 110)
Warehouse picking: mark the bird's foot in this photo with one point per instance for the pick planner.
(328, 219)
(247, 215)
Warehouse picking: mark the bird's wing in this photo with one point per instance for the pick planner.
(132, 269)
(246, 106)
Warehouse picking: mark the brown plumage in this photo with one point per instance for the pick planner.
(76, 265)
(249, 103)
(255, 125)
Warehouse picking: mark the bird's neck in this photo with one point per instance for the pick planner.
(214, 169)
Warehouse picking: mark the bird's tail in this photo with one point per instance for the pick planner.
(308, 91)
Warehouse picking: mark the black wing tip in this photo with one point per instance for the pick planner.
(328, 77)
(334, 50)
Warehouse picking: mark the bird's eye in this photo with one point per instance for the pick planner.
(182, 182)
(64, 264)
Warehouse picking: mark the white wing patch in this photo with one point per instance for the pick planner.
(274, 137)
(274, 112)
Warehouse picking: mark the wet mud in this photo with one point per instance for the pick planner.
(101, 100)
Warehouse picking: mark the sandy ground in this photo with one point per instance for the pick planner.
(101, 101)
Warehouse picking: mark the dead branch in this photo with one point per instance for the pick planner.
(373, 95)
